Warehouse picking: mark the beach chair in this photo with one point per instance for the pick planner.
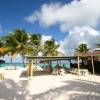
(55, 72)
(84, 72)
(1, 76)
(62, 72)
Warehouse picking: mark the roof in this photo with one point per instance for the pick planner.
(88, 54)
(52, 57)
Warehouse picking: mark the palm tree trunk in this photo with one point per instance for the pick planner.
(11, 59)
(23, 59)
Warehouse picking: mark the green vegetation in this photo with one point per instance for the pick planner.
(3, 49)
(35, 40)
(50, 48)
(17, 43)
(23, 43)
(82, 48)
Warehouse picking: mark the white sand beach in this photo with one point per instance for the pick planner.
(16, 86)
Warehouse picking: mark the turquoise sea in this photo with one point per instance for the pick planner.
(54, 65)
(67, 65)
(12, 64)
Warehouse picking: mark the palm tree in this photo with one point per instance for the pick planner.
(21, 38)
(35, 40)
(50, 48)
(1, 50)
(1, 43)
(18, 43)
(1, 47)
(82, 48)
(10, 43)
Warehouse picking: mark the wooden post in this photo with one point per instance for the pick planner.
(78, 66)
(60, 62)
(70, 62)
(30, 69)
(92, 65)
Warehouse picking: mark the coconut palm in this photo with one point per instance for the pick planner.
(10, 43)
(18, 43)
(82, 48)
(1, 43)
(1, 47)
(24, 45)
(35, 40)
(50, 48)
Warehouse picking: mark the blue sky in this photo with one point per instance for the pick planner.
(69, 22)
(12, 13)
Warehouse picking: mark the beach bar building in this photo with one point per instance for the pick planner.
(77, 56)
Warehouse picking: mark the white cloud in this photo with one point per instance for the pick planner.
(77, 36)
(79, 18)
(17, 59)
(77, 13)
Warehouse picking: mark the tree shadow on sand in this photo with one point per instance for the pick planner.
(35, 73)
(72, 90)
(10, 90)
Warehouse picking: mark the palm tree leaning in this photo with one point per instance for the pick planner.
(9, 44)
(1, 48)
(20, 42)
(22, 46)
(17, 42)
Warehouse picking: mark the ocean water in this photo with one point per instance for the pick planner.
(12, 64)
(4, 65)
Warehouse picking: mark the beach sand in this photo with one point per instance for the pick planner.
(17, 86)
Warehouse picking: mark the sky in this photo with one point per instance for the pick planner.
(69, 22)
(13, 13)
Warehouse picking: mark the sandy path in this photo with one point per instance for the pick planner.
(49, 87)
